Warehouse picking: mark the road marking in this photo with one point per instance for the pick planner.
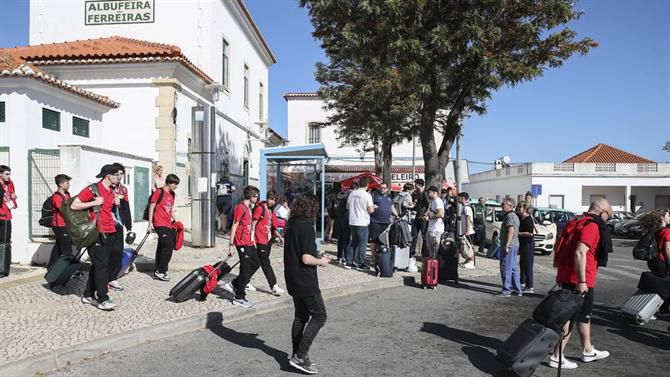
(634, 268)
(606, 272)
(621, 259)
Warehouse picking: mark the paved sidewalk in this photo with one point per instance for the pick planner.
(35, 320)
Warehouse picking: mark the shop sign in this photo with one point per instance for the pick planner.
(405, 177)
(110, 12)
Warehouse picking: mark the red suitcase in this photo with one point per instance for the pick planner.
(429, 275)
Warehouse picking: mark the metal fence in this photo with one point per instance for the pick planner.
(43, 166)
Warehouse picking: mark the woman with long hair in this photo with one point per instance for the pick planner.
(526, 249)
(158, 181)
(657, 222)
(300, 261)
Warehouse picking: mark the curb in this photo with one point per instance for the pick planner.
(31, 366)
(23, 278)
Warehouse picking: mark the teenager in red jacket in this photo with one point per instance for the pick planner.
(263, 228)
(242, 237)
(161, 216)
(63, 245)
(100, 195)
(7, 203)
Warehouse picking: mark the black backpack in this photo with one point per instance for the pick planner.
(557, 308)
(47, 217)
(646, 248)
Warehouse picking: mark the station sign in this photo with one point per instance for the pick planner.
(111, 12)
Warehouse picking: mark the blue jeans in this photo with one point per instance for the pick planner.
(509, 270)
(418, 225)
(358, 245)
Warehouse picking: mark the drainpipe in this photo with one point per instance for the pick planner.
(202, 177)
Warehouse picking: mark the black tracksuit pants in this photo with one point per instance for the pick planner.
(310, 316)
(62, 247)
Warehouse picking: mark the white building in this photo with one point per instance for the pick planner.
(133, 71)
(304, 109)
(627, 181)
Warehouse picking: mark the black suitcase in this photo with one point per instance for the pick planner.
(384, 262)
(5, 258)
(195, 280)
(655, 284)
(525, 349)
(62, 270)
(447, 257)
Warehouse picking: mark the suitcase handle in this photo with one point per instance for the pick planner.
(137, 249)
(218, 267)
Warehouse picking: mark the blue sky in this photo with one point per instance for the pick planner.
(619, 94)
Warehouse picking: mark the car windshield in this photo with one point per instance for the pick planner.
(553, 216)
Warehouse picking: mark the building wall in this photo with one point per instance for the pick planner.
(23, 131)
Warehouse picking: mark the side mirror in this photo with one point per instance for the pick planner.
(546, 222)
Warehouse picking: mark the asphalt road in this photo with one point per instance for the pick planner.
(407, 331)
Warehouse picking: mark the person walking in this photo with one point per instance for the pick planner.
(419, 225)
(224, 200)
(657, 222)
(122, 218)
(509, 235)
(63, 245)
(578, 271)
(262, 225)
(7, 203)
(100, 198)
(360, 207)
(526, 250)
(300, 261)
(480, 223)
(161, 217)
(381, 218)
(242, 237)
(434, 217)
(467, 226)
(342, 223)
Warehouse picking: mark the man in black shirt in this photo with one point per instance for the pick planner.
(421, 204)
(300, 261)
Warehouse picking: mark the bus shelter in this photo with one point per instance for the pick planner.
(293, 170)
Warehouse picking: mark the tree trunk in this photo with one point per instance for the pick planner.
(387, 159)
(379, 158)
(433, 168)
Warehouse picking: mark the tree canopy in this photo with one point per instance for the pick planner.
(446, 56)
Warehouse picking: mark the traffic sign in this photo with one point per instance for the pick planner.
(535, 190)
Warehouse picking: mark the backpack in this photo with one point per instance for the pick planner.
(400, 209)
(341, 204)
(82, 230)
(567, 243)
(557, 308)
(46, 220)
(145, 215)
(646, 248)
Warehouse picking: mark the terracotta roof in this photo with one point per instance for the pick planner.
(603, 153)
(12, 66)
(104, 51)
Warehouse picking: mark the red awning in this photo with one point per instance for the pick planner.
(375, 181)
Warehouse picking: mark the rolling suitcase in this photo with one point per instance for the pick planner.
(63, 269)
(641, 308)
(5, 259)
(400, 257)
(429, 273)
(129, 256)
(654, 284)
(384, 262)
(525, 349)
(195, 280)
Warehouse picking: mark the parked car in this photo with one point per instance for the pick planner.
(545, 235)
(558, 216)
(629, 229)
(617, 219)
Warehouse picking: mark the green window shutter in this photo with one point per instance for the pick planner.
(80, 127)
(2, 112)
(50, 119)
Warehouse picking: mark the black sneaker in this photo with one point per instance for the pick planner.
(363, 267)
(303, 364)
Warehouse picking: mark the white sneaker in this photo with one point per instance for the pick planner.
(276, 290)
(250, 287)
(115, 285)
(229, 287)
(469, 265)
(594, 355)
(565, 364)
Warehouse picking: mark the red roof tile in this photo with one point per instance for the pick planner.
(12, 67)
(603, 153)
(104, 50)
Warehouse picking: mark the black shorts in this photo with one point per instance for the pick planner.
(377, 229)
(584, 315)
(224, 204)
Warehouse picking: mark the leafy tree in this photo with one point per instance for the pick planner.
(450, 55)
(666, 147)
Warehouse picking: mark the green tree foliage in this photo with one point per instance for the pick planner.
(666, 147)
(449, 57)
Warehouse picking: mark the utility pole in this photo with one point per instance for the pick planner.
(413, 157)
(457, 177)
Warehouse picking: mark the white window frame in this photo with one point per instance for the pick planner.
(225, 64)
(261, 99)
(246, 86)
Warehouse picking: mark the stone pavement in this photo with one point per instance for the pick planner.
(35, 320)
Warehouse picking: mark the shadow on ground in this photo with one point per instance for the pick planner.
(608, 317)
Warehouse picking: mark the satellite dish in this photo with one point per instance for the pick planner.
(506, 160)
